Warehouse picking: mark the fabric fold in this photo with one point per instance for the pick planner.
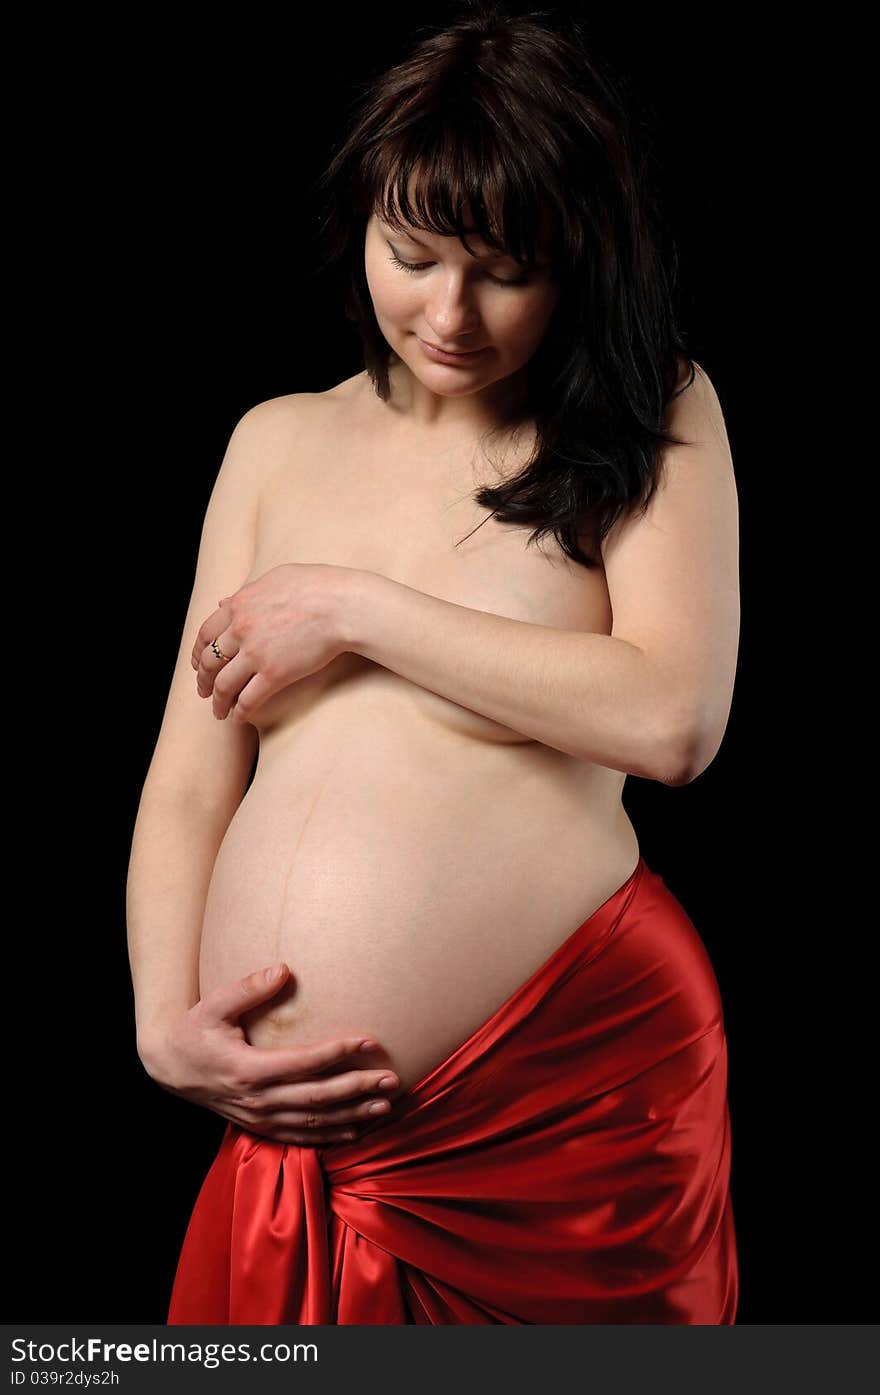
(568, 1163)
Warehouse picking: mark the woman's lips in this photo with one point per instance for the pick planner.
(444, 356)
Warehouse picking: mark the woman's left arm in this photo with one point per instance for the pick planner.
(653, 697)
(592, 696)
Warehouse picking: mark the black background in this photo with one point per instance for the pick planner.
(166, 275)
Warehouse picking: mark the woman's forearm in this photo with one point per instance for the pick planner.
(173, 850)
(593, 696)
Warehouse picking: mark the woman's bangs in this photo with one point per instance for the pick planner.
(436, 201)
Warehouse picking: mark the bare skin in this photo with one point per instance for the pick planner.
(311, 1094)
(411, 860)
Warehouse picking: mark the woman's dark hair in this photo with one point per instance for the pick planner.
(508, 114)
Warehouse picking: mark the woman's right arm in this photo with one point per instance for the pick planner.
(200, 767)
(196, 780)
(173, 850)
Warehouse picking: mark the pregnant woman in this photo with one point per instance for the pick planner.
(433, 846)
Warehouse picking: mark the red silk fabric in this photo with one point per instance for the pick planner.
(569, 1163)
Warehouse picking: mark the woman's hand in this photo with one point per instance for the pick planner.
(283, 1093)
(283, 626)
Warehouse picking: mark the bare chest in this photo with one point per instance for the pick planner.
(349, 497)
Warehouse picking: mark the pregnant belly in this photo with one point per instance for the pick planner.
(409, 890)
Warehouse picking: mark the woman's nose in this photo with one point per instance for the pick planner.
(451, 311)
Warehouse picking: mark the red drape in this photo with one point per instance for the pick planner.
(569, 1163)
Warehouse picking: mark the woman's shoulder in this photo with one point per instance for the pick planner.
(277, 420)
(696, 385)
(349, 389)
(296, 406)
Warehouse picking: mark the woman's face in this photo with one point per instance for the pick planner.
(443, 297)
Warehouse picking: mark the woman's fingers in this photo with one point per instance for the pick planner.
(230, 1001)
(209, 629)
(319, 1110)
(350, 1114)
(211, 664)
(270, 1065)
(282, 1111)
(308, 1140)
(224, 1005)
(333, 1090)
(324, 1102)
(298, 1126)
(274, 1122)
(303, 1137)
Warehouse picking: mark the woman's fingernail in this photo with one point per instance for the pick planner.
(387, 1082)
(368, 1044)
(380, 1107)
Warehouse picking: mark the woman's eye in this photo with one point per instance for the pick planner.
(422, 266)
(409, 266)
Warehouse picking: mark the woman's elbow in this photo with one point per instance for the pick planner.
(689, 752)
